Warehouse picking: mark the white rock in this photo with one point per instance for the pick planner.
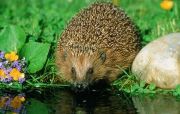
(159, 62)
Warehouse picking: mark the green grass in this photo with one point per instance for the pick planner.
(44, 20)
(151, 19)
(153, 22)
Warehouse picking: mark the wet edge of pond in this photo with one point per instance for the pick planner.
(93, 102)
(61, 101)
(105, 101)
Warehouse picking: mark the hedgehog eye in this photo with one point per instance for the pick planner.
(103, 56)
(90, 71)
(73, 71)
(89, 74)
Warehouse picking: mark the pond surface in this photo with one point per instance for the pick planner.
(68, 102)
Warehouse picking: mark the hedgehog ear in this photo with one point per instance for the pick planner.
(103, 56)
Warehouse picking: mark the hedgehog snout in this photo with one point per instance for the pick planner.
(84, 81)
(80, 86)
(87, 77)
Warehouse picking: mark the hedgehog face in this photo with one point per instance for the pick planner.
(84, 69)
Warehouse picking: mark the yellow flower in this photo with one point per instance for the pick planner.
(22, 75)
(3, 101)
(15, 74)
(2, 73)
(167, 4)
(11, 56)
(22, 99)
(17, 102)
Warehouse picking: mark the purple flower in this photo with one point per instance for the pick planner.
(1, 55)
(16, 65)
(1, 65)
(7, 66)
(5, 62)
(21, 80)
(6, 80)
(17, 110)
(7, 71)
(8, 101)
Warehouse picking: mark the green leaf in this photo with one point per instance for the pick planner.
(37, 107)
(12, 38)
(177, 90)
(134, 87)
(48, 35)
(142, 84)
(152, 86)
(36, 54)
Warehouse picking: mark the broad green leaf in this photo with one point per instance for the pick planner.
(12, 38)
(32, 28)
(37, 107)
(48, 35)
(36, 55)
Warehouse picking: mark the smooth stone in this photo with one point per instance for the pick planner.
(159, 62)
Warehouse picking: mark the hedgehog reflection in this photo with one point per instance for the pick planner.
(93, 103)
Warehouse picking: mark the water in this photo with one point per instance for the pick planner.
(68, 102)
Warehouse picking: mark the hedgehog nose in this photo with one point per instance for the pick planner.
(79, 87)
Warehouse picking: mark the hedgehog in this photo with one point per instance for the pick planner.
(99, 43)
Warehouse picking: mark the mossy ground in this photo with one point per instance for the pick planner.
(44, 20)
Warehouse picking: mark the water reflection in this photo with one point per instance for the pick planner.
(67, 102)
(159, 104)
(13, 104)
(93, 103)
